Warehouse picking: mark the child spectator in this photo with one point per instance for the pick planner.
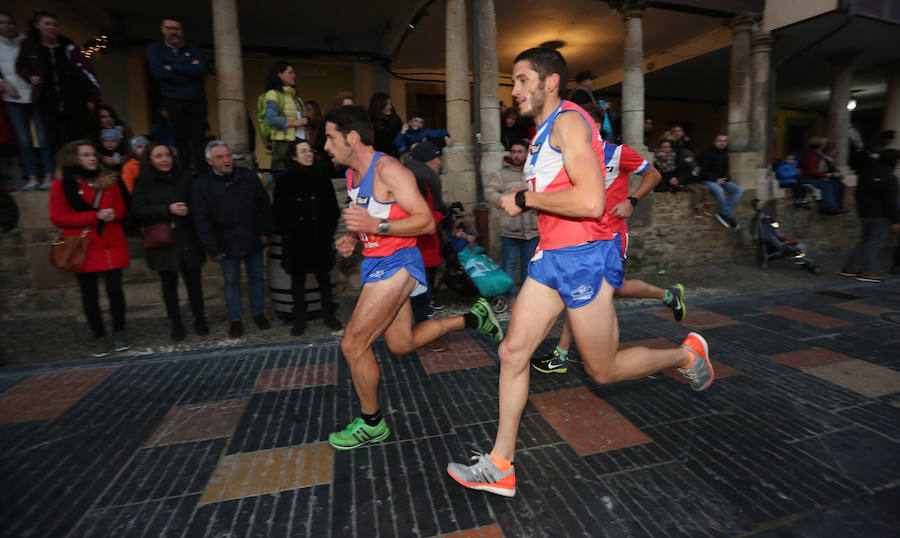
(133, 165)
(664, 161)
(110, 149)
(688, 172)
(414, 131)
(788, 175)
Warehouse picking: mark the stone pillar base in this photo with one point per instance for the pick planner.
(744, 170)
(458, 177)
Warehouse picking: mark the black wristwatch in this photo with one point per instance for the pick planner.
(384, 227)
(633, 200)
(520, 200)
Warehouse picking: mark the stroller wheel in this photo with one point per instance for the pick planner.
(500, 304)
(815, 269)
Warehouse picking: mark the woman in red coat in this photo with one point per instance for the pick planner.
(87, 196)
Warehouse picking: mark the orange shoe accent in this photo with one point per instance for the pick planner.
(500, 463)
(507, 483)
(697, 346)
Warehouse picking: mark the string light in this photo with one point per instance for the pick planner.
(96, 45)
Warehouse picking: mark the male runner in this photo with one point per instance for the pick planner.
(619, 161)
(387, 212)
(576, 267)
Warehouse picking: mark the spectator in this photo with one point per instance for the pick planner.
(16, 93)
(86, 196)
(111, 153)
(63, 85)
(648, 131)
(689, 179)
(511, 130)
(876, 203)
(829, 151)
(676, 135)
(788, 176)
(132, 166)
(664, 161)
(179, 68)
(233, 219)
(385, 121)
(284, 111)
(162, 195)
(106, 118)
(306, 216)
(315, 129)
(582, 93)
(425, 164)
(815, 173)
(714, 173)
(343, 99)
(163, 130)
(518, 235)
(609, 116)
(414, 131)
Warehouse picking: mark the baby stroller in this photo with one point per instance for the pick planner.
(467, 269)
(772, 244)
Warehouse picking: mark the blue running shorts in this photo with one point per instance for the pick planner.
(577, 272)
(380, 268)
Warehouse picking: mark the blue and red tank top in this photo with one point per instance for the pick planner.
(363, 195)
(549, 175)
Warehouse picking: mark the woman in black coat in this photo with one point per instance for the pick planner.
(162, 195)
(306, 216)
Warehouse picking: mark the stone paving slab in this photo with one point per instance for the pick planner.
(798, 436)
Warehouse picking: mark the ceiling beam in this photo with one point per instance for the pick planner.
(712, 8)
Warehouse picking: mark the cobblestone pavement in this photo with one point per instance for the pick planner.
(798, 436)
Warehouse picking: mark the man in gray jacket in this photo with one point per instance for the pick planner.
(519, 234)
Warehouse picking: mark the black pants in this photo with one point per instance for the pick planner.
(90, 300)
(298, 285)
(62, 128)
(189, 118)
(191, 277)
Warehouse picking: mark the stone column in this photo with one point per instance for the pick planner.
(838, 115)
(760, 126)
(459, 169)
(230, 100)
(739, 84)
(892, 104)
(633, 76)
(492, 150)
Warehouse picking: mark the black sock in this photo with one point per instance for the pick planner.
(471, 320)
(371, 420)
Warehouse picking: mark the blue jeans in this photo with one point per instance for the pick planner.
(20, 116)
(513, 248)
(832, 191)
(231, 269)
(727, 196)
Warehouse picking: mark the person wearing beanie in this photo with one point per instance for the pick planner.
(414, 131)
(111, 148)
(425, 164)
(133, 165)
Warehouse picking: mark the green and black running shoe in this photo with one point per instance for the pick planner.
(551, 363)
(487, 323)
(358, 433)
(679, 309)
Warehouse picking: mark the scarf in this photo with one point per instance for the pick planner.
(71, 187)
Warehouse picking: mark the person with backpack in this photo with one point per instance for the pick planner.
(280, 112)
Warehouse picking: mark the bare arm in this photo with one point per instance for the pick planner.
(401, 183)
(587, 197)
(649, 180)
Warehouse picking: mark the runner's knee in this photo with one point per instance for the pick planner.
(352, 346)
(513, 355)
(602, 374)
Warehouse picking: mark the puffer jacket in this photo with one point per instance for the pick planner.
(107, 251)
(523, 226)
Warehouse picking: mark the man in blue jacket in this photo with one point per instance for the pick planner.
(179, 68)
(233, 218)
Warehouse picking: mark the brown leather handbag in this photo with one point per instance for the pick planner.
(158, 235)
(68, 253)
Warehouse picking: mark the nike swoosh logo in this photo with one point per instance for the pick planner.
(555, 364)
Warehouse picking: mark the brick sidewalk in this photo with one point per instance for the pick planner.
(798, 436)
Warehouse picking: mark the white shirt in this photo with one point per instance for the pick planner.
(9, 51)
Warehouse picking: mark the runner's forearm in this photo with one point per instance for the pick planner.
(569, 203)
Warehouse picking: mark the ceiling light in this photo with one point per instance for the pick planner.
(851, 105)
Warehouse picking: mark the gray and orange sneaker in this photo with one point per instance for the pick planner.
(484, 475)
(700, 373)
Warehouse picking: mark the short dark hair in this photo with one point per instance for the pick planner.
(412, 115)
(596, 112)
(170, 17)
(547, 61)
(509, 112)
(353, 118)
(524, 143)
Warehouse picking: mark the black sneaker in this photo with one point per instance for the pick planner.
(435, 305)
(332, 323)
(679, 309)
(733, 223)
(261, 322)
(177, 332)
(298, 328)
(201, 328)
(723, 220)
(236, 329)
(846, 271)
(551, 363)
